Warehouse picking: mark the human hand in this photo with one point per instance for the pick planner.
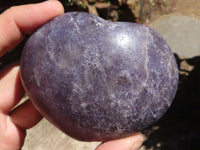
(15, 23)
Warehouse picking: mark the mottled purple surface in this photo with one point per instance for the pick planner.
(97, 80)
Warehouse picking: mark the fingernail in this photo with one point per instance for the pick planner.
(49, 1)
(136, 146)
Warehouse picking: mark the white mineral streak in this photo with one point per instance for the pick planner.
(146, 56)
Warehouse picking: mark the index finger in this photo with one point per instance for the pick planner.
(18, 21)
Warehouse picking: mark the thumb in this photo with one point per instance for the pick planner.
(130, 143)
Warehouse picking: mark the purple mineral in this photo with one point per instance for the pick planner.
(98, 80)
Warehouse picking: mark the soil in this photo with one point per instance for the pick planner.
(179, 128)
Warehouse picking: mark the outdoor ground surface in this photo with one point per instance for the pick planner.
(179, 129)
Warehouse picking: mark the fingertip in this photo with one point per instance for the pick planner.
(129, 143)
(39, 13)
(56, 5)
(25, 116)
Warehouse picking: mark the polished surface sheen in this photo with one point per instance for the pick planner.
(98, 80)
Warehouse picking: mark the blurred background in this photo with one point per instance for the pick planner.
(178, 21)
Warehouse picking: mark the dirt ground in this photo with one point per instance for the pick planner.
(180, 126)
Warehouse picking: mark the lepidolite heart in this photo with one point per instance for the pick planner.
(98, 80)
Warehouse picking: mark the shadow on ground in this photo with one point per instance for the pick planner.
(180, 126)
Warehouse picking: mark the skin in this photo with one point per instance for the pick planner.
(15, 23)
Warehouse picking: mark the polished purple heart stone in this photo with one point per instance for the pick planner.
(98, 80)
